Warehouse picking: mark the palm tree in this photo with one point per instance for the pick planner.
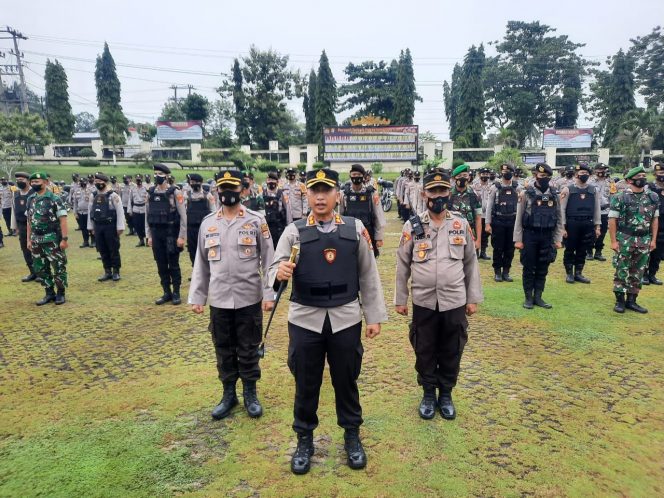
(640, 126)
(508, 138)
(113, 125)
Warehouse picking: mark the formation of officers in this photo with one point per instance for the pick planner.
(247, 242)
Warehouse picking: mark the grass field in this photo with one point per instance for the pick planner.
(109, 395)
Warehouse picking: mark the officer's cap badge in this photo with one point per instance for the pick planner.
(330, 255)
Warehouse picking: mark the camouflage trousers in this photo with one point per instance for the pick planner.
(630, 262)
(46, 255)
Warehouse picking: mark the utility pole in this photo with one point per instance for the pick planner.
(17, 35)
(175, 89)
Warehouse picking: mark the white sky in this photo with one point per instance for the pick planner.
(199, 39)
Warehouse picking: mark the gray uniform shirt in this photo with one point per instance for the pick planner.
(413, 196)
(82, 199)
(564, 197)
(6, 196)
(230, 269)
(442, 266)
(138, 198)
(603, 186)
(125, 192)
(520, 210)
(482, 192)
(176, 199)
(297, 198)
(116, 202)
(344, 316)
(376, 211)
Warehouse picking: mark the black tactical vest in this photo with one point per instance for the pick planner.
(103, 212)
(541, 211)
(197, 209)
(160, 212)
(326, 274)
(360, 206)
(504, 206)
(273, 213)
(660, 194)
(21, 207)
(581, 203)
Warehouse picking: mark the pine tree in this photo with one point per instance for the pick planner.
(326, 97)
(470, 110)
(620, 94)
(451, 98)
(309, 106)
(405, 96)
(239, 100)
(568, 111)
(61, 121)
(108, 92)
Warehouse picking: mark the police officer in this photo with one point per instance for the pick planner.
(166, 222)
(565, 179)
(500, 218)
(335, 265)
(19, 220)
(464, 201)
(436, 252)
(250, 198)
(138, 197)
(397, 188)
(47, 238)
(106, 219)
(277, 209)
(80, 206)
(580, 206)
(73, 188)
(125, 193)
(481, 186)
(413, 196)
(633, 227)
(199, 204)
(657, 255)
(6, 200)
(233, 250)
(362, 202)
(538, 231)
(297, 195)
(403, 187)
(603, 183)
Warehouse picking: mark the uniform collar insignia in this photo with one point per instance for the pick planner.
(338, 220)
(311, 221)
(425, 217)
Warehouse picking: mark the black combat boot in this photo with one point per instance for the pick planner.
(176, 296)
(578, 275)
(598, 256)
(498, 276)
(301, 460)
(60, 296)
(631, 304)
(506, 275)
(228, 401)
(538, 301)
(645, 280)
(141, 243)
(484, 256)
(428, 404)
(29, 278)
(116, 274)
(570, 274)
(589, 255)
(48, 297)
(166, 297)
(654, 280)
(620, 302)
(528, 303)
(445, 404)
(84, 245)
(106, 276)
(356, 457)
(251, 403)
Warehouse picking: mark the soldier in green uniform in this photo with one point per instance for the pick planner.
(464, 201)
(47, 238)
(633, 225)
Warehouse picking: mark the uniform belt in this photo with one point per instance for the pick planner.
(580, 218)
(138, 204)
(41, 232)
(604, 206)
(633, 232)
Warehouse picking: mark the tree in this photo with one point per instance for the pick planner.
(84, 122)
(648, 52)
(567, 108)
(640, 126)
(506, 156)
(451, 99)
(427, 136)
(470, 107)
(10, 101)
(405, 92)
(325, 102)
(218, 130)
(370, 89)
(108, 97)
(59, 117)
(113, 124)
(196, 107)
(23, 131)
(172, 111)
(241, 125)
(309, 108)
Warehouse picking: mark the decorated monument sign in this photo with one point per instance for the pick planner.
(370, 143)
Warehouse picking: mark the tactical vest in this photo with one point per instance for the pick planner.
(660, 194)
(21, 207)
(360, 206)
(197, 209)
(581, 203)
(160, 211)
(504, 206)
(103, 211)
(541, 210)
(326, 274)
(273, 213)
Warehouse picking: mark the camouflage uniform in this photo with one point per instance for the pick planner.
(44, 212)
(467, 204)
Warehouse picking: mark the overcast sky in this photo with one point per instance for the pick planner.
(192, 41)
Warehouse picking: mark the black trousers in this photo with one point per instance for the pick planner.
(192, 241)
(536, 256)
(7, 215)
(108, 245)
(598, 245)
(138, 222)
(438, 339)
(236, 335)
(167, 255)
(276, 229)
(484, 243)
(82, 220)
(129, 220)
(657, 255)
(23, 240)
(502, 236)
(306, 359)
(580, 239)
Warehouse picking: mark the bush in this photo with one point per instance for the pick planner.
(143, 157)
(265, 166)
(213, 156)
(302, 167)
(87, 152)
(319, 165)
(88, 163)
(377, 168)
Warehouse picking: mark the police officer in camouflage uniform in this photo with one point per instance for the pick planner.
(656, 256)
(464, 201)
(633, 226)
(47, 238)
(19, 221)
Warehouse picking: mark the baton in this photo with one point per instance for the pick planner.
(295, 249)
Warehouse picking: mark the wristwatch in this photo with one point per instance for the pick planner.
(65, 238)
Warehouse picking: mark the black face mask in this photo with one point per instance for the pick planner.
(83, 184)
(639, 182)
(139, 182)
(484, 178)
(357, 180)
(229, 197)
(4, 184)
(438, 204)
(543, 183)
(660, 178)
(36, 188)
(21, 185)
(583, 178)
(100, 186)
(569, 174)
(271, 186)
(508, 176)
(160, 180)
(195, 187)
(461, 182)
(126, 182)
(291, 177)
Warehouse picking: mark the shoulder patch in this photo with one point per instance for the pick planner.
(180, 198)
(265, 230)
(367, 237)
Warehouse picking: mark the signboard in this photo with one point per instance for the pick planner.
(534, 159)
(179, 130)
(370, 143)
(273, 145)
(573, 138)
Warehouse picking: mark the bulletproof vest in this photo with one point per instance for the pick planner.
(21, 206)
(360, 205)
(197, 209)
(103, 212)
(272, 203)
(160, 211)
(506, 200)
(660, 194)
(581, 203)
(540, 209)
(326, 274)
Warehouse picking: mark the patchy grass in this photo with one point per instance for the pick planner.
(110, 395)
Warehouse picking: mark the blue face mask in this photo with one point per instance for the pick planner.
(438, 204)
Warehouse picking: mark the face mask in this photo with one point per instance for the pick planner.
(438, 204)
(4, 184)
(271, 186)
(508, 176)
(543, 183)
(160, 180)
(357, 180)
(100, 186)
(83, 184)
(569, 174)
(461, 182)
(229, 198)
(126, 182)
(639, 182)
(196, 187)
(139, 182)
(36, 188)
(484, 178)
(21, 185)
(583, 178)
(291, 177)
(660, 178)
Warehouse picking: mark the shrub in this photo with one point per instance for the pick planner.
(87, 152)
(377, 168)
(319, 165)
(265, 166)
(88, 163)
